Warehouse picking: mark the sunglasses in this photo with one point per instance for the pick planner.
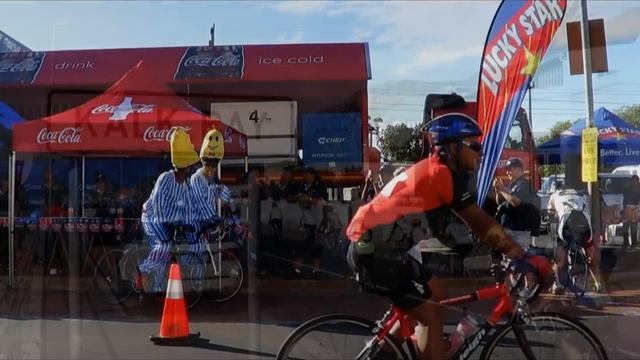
(475, 146)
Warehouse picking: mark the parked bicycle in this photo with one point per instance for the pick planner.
(116, 272)
(523, 334)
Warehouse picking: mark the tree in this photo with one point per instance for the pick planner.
(547, 170)
(630, 113)
(555, 130)
(400, 143)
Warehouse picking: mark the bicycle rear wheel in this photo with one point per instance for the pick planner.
(578, 271)
(110, 280)
(546, 336)
(337, 337)
(224, 276)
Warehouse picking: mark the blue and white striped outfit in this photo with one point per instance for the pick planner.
(168, 203)
(204, 198)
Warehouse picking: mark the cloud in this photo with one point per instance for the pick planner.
(433, 32)
(624, 28)
(291, 38)
(621, 23)
(435, 55)
(362, 34)
(329, 8)
(301, 7)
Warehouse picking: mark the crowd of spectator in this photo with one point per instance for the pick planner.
(314, 222)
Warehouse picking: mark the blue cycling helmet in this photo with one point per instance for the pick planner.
(452, 127)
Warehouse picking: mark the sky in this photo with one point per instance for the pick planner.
(416, 47)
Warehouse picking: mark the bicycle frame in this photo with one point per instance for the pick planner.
(221, 234)
(505, 306)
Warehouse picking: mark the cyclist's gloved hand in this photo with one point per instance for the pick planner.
(539, 265)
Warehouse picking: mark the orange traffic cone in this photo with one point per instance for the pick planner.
(174, 328)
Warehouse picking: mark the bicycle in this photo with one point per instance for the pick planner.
(518, 337)
(116, 275)
(578, 271)
(224, 274)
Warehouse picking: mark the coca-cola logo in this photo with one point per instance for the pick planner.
(136, 108)
(225, 59)
(69, 135)
(122, 110)
(27, 65)
(20, 67)
(216, 62)
(154, 134)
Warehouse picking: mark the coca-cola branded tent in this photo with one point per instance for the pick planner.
(135, 116)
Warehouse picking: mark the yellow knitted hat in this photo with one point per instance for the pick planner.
(182, 153)
(212, 145)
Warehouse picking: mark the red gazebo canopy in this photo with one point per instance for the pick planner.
(135, 116)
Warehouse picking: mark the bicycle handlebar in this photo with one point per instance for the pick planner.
(515, 281)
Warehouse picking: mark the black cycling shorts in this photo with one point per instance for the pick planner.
(576, 230)
(395, 275)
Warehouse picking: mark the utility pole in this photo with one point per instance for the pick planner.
(593, 187)
(213, 35)
(532, 139)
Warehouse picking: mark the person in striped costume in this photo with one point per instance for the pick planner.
(168, 203)
(205, 187)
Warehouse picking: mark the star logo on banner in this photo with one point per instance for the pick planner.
(620, 137)
(533, 60)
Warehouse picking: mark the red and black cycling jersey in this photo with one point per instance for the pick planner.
(427, 188)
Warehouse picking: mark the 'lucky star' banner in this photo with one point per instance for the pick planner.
(518, 39)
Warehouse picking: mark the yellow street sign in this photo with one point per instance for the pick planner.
(590, 154)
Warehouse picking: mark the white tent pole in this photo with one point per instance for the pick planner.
(83, 184)
(246, 172)
(12, 193)
(219, 201)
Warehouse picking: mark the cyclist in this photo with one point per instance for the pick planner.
(205, 187)
(438, 188)
(167, 203)
(570, 210)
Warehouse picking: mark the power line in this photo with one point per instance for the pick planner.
(538, 112)
(574, 105)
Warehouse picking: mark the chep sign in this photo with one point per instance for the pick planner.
(332, 139)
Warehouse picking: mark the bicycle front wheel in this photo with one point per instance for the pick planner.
(546, 336)
(578, 271)
(223, 274)
(337, 337)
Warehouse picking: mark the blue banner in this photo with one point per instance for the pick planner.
(331, 140)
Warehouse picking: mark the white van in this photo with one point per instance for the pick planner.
(627, 170)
